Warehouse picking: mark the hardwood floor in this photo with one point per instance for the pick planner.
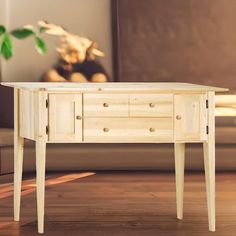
(119, 203)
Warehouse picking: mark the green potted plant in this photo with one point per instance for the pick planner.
(6, 43)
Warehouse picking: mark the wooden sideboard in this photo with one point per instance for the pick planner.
(176, 113)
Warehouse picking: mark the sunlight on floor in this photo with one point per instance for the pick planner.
(29, 186)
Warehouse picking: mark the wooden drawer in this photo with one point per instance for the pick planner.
(102, 105)
(152, 105)
(128, 129)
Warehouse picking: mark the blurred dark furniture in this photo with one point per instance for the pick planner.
(184, 41)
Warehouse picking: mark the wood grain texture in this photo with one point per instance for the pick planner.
(102, 105)
(119, 203)
(179, 177)
(114, 87)
(128, 129)
(18, 156)
(65, 117)
(27, 114)
(151, 105)
(190, 117)
(78, 117)
(40, 181)
(209, 163)
(41, 122)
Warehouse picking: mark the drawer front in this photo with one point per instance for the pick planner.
(152, 105)
(128, 129)
(102, 105)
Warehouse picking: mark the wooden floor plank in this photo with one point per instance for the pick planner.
(119, 203)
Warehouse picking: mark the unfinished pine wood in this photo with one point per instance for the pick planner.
(27, 114)
(179, 177)
(190, 117)
(65, 117)
(102, 105)
(128, 129)
(41, 121)
(209, 162)
(40, 181)
(18, 155)
(151, 105)
(118, 113)
(115, 86)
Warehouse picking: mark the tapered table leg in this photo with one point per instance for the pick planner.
(40, 182)
(18, 158)
(179, 177)
(209, 163)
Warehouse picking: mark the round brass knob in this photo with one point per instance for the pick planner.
(105, 130)
(178, 117)
(105, 104)
(78, 117)
(152, 130)
(151, 104)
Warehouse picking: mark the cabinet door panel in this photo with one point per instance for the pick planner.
(65, 117)
(190, 117)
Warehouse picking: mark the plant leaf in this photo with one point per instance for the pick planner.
(2, 29)
(40, 45)
(22, 33)
(6, 47)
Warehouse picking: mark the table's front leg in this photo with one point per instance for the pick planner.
(41, 140)
(18, 157)
(40, 181)
(209, 163)
(179, 177)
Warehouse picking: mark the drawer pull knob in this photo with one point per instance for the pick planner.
(152, 130)
(178, 117)
(105, 130)
(151, 105)
(105, 104)
(78, 117)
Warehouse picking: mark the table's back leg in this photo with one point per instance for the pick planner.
(209, 163)
(179, 177)
(18, 157)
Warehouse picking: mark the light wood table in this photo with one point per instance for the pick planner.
(114, 113)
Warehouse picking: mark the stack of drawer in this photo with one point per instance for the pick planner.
(128, 117)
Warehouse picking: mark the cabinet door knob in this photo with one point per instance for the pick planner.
(151, 104)
(152, 130)
(105, 104)
(78, 117)
(105, 130)
(178, 117)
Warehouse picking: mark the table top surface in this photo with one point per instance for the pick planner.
(111, 86)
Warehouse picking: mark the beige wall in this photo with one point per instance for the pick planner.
(89, 18)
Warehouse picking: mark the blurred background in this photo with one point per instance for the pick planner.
(190, 41)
